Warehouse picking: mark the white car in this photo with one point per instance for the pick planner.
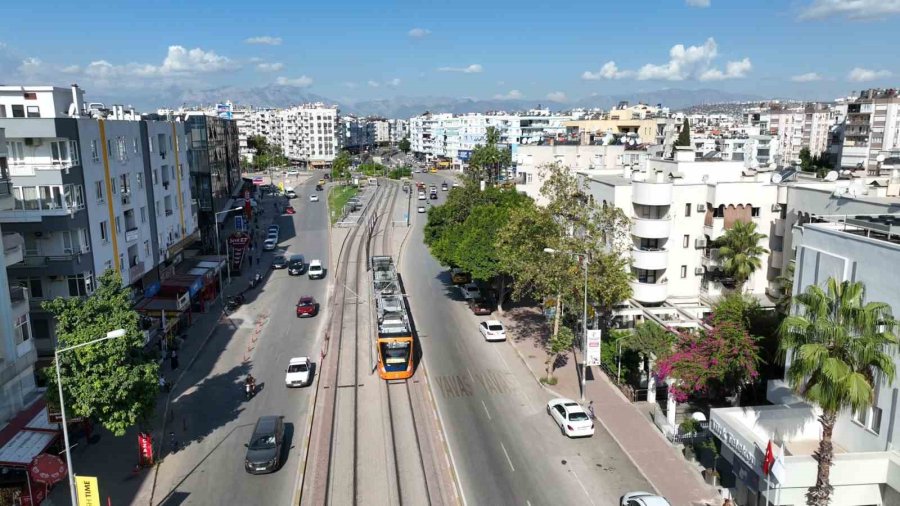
(470, 291)
(314, 198)
(315, 270)
(421, 195)
(298, 372)
(643, 499)
(421, 209)
(455, 184)
(270, 243)
(492, 330)
(291, 194)
(292, 172)
(572, 419)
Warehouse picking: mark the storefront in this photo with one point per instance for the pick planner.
(23, 439)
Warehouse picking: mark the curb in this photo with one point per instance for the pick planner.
(530, 370)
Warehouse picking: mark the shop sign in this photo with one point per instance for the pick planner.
(746, 451)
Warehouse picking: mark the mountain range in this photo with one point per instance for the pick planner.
(405, 107)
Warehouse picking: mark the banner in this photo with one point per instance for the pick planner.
(145, 448)
(88, 490)
(592, 356)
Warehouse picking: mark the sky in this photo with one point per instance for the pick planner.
(360, 50)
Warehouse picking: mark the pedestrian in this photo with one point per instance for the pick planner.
(163, 384)
(173, 359)
(591, 410)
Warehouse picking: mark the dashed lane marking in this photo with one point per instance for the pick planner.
(508, 460)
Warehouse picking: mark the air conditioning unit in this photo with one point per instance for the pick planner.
(700, 243)
(776, 208)
(698, 271)
(701, 208)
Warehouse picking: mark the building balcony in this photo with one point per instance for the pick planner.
(647, 228)
(13, 248)
(136, 271)
(649, 293)
(18, 296)
(779, 227)
(715, 229)
(53, 265)
(651, 194)
(132, 234)
(36, 215)
(650, 259)
(710, 258)
(32, 169)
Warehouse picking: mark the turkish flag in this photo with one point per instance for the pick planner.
(769, 460)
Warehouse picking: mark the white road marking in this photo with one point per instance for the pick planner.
(486, 410)
(501, 358)
(582, 486)
(471, 377)
(527, 502)
(509, 460)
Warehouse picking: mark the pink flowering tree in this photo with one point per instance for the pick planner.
(723, 358)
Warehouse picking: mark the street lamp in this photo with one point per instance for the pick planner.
(584, 258)
(62, 405)
(219, 250)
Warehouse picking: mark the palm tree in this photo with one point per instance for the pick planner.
(785, 289)
(739, 251)
(840, 346)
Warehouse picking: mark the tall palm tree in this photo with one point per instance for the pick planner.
(785, 289)
(840, 346)
(739, 251)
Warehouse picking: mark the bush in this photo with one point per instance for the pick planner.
(689, 426)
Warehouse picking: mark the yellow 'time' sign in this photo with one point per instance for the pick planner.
(88, 490)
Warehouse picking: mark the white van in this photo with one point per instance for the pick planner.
(289, 193)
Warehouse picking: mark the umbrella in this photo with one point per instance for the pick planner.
(47, 469)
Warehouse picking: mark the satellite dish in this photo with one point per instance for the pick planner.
(831, 176)
(879, 158)
(776, 178)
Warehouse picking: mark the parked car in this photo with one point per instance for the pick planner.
(572, 419)
(297, 373)
(273, 229)
(264, 448)
(293, 172)
(279, 262)
(420, 209)
(444, 187)
(289, 210)
(290, 193)
(643, 499)
(492, 330)
(455, 184)
(480, 306)
(470, 291)
(459, 276)
(313, 198)
(315, 270)
(270, 243)
(296, 265)
(318, 187)
(421, 196)
(433, 196)
(307, 306)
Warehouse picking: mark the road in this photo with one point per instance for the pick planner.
(212, 419)
(505, 448)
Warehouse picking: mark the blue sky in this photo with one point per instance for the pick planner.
(355, 50)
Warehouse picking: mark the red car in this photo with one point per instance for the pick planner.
(289, 210)
(480, 306)
(307, 306)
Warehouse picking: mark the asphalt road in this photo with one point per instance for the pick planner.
(212, 419)
(504, 446)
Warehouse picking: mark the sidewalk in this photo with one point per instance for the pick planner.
(660, 463)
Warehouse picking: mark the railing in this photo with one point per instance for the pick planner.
(34, 261)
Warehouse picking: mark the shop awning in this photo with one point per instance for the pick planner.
(27, 435)
(177, 284)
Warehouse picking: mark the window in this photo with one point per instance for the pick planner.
(860, 417)
(98, 191)
(31, 246)
(59, 152)
(134, 145)
(15, 152)
(78, 285)
(34, 111)
(2, 111)
(18, 111)
(150, 143)
(687, 210)
(34, 286)
(684, 271)
(875, 420)
(144, 214)
(30, 95)
(155, 176)
(125, 184)
(158, 208)
(104, 231)
(122, 261)
(685, 241)
(140, 180)
(147, 248)
(95, 154)
(118, 224)
(23, 332)
(107, 265)
(754, 212)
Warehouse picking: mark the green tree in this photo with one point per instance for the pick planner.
(404, 145)
(785, 289)
(114, 381)
(340, 165)
(840, 346)
(489, 160)
(684, 136)
(739, 251)
(560, 342)
(651, 340)
(806, 160)
(736, 308)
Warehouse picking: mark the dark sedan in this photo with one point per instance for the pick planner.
(264, 448)
(480, 306)
(279, 262)
(296, 265)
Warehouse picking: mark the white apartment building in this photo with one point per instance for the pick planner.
(794, 128)
(382, 130)
(399, 130)
(311, 134)
(267, 123)
(871, 129)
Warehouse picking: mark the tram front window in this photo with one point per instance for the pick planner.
(395, 356)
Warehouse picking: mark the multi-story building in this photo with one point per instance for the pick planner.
(871, 129)
(399, 130)
(357, 134)
(382, 130)
(650, 125)
(311, 134)
(266, 123)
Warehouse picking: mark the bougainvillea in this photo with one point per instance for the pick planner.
(723, 357)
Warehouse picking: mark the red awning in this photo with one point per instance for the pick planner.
(27, 435)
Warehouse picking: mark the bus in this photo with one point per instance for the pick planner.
(395, 340)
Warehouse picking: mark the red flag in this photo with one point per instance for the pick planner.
(769, 460)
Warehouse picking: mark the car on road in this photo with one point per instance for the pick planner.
(313, 198)
(264, 448)
(291, 194)
(257, 180)
(279, 262)
(455, 184)
(433, 196)
(270, 243)
(296, 265)
(470, 291)
(459, 276)
(444, 187)
(315, 271)
(480, 306)
(293, 173)
(420, 209)
(643, 499)
(572, 419)
(273, 229)
(318, 187)
(289, 210)
(297, 373)
(421, 196)
(492, 330)
(307, 306)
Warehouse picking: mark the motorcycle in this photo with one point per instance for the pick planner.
(232, 303)
(255, 280)
(249, 390)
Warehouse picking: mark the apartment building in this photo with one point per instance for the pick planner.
(266, 123)
(793, 128)
(650, 125)
(382, 130)
(357, 134)
(311, 134)
(871, 129)
(398, 130)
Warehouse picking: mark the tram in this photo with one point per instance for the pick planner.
(395, 343)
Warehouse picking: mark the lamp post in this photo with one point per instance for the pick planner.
(62, 405)
(219, 250)
(584, 258)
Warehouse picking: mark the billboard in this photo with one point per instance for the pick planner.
(592, 357)
(224, 110)
(464, 155)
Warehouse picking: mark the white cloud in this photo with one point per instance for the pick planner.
(733, 70)
(270, 67)
(609, 70)
(853, 9)
(860, 75)
(418, 33)
(266, 40)
(373, 84)
(350, 85)
(30, 66)
(471, 69)
(178, 63)
(71, 69)
(393, 82)
(806, 78)
(557, 96)
(300, 82)
(512, 95)
(697, 3)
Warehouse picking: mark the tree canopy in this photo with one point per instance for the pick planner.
(489, 160)
(684, 136)
(404, 144)
(267, 155)
(739, 251)
(340, 165)
(113, 381)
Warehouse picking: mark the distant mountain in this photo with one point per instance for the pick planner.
(673, 98)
